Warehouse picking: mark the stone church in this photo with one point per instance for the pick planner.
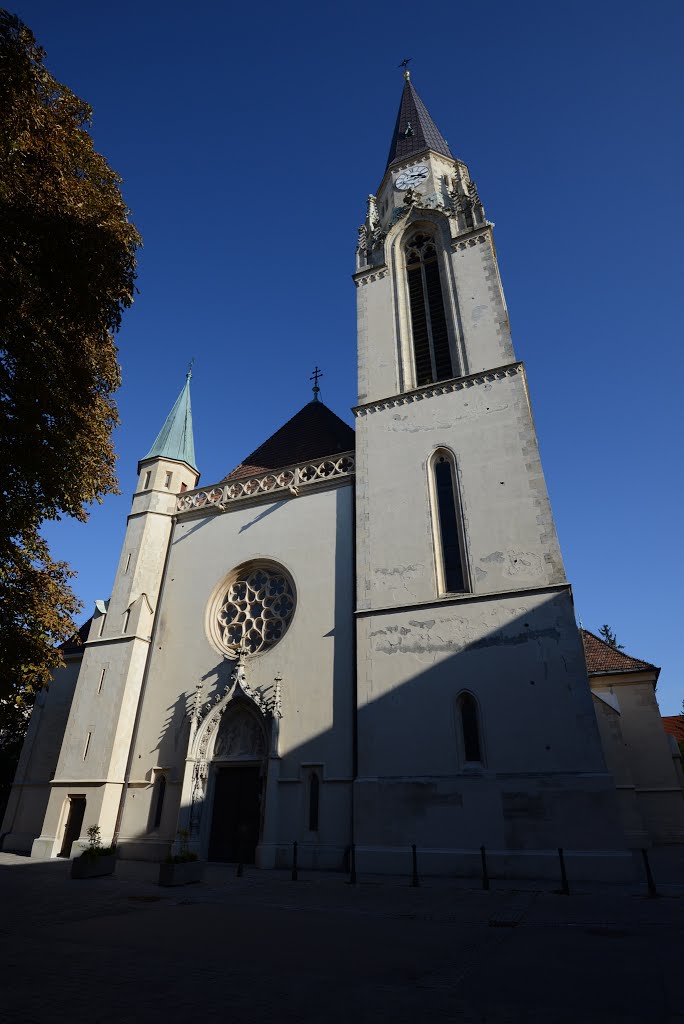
(357, 636)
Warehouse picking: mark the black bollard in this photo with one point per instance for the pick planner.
(352, 864)
(485, 874)
(414, 879)
(294, 861)
(565, 888)
(652, 891)
(238, 873)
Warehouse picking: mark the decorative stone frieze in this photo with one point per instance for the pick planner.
(376, 275)
(290, 480)
(469, 243)
(443, 387)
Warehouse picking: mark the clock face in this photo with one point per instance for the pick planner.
(411, 177)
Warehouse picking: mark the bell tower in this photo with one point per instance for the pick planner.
(475, 721)
(430, 296)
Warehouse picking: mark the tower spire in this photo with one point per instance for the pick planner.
(415, 131)
(175, 439)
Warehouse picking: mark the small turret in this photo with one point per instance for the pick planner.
(96, 748)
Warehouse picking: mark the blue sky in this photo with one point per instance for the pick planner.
(248, 138)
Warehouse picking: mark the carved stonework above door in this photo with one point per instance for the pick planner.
(240, 737)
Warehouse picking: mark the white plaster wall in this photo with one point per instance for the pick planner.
(520, 656)
(312, 537)
(378, 369)
(484, 317)
(543, 781)
(509, 533)
(645, 747)
(38, 761)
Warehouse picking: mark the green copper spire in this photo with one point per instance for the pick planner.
(175, 440)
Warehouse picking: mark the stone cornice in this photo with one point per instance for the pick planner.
(443, 387)
(389, 609)
(370, 274)
(474, 236)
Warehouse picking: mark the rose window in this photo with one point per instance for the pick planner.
(256, 611)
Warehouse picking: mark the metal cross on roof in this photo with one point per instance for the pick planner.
(314, 377)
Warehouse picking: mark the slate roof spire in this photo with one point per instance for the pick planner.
(415, 131)
(175, 440)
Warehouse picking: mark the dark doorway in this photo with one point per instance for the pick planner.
(235, 818)
(72, 829)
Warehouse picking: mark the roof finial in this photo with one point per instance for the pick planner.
(188, 375)
(404, 64)
(314, 377)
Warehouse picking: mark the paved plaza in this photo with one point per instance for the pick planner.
(264, 948)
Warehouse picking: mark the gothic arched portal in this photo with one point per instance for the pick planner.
(237, 782)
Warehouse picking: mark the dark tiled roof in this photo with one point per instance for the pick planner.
(74, 645)
(601, 657)
(313, 433)
(674, 725)
(425, 133)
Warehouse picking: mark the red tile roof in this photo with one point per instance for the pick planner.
(601, 657)
(313, 433)
(674, 725)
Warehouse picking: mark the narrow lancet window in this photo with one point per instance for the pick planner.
(314, 794)
(159, 805)
(447, 531)
(431, 348)
(467, 706)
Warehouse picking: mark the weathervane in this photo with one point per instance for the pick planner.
(314, 377)
(404, 64)
(190, 366)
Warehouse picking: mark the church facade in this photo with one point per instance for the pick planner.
(357, 637)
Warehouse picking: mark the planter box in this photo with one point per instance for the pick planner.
(93, 867)
(181, 874)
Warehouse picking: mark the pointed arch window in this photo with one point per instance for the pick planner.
(470, 728)
(447, 526)
(431, 349)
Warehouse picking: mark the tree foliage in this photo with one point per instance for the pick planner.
(607, 634)
(67, 272)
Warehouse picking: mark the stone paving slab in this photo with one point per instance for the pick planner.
(263, 948)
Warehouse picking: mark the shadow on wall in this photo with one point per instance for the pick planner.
(541, 781)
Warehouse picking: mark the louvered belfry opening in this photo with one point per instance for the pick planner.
(428, 316)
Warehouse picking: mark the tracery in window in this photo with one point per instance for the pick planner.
(256, 610)
(428, 317)
(470, 727)
(447, 532)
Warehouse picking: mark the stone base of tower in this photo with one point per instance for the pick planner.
(532, 865)
(521, 820)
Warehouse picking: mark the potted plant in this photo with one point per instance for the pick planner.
(96, 859)
(183, 867)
